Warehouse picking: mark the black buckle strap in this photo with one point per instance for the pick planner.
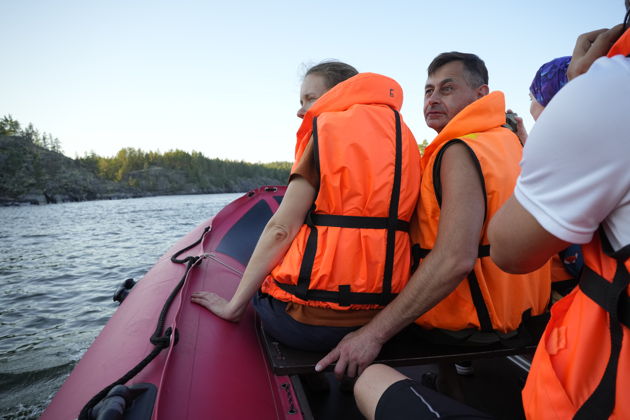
(357, 222)
(601, 291)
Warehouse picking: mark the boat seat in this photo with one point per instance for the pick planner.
(402, 350)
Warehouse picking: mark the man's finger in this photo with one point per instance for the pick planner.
(584, 41)
(328, 359)
(340, 368)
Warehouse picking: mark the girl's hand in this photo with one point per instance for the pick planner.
(217, 305)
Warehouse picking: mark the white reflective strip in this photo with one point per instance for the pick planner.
(426, 403)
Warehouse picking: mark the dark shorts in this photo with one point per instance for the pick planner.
(279, 324)
(407, 399)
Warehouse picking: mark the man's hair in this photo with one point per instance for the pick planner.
(334, 72)
(476, 73)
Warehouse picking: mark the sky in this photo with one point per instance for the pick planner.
(223, 78)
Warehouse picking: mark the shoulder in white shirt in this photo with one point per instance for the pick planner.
(576, 162)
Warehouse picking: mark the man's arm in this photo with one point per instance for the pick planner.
(518, 243)
(450, 261)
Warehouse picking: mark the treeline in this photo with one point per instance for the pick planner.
(136, 168)
(35, 170)
(11, 127)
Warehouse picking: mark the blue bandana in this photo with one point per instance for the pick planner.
(549, 79)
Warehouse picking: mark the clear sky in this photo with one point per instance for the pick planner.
(223, 77)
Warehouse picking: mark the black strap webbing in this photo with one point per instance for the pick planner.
(421, 253)
(601, 403)
(343, 297)
(357, 222)
(599, 290)
(475, 291)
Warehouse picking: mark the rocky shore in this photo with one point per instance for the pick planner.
(30, 174)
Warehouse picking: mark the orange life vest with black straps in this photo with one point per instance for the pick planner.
(489, 299)
(582, 363)
(353, 252)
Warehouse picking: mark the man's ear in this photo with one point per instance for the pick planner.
(482, 91)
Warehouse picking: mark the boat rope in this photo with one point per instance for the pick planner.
(160, 339)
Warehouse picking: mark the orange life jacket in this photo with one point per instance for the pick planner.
(353, 252)
(490, 299)
(582, 363)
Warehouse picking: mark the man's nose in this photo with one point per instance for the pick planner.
(433, 98)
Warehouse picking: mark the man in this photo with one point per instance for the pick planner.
(469, 171)
(582, 364)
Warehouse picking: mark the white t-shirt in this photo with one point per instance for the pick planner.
(576, 162)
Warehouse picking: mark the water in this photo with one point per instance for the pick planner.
(59, 267)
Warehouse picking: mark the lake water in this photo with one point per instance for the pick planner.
(59, 267)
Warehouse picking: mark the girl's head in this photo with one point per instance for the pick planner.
(321, 78)
(549, 79)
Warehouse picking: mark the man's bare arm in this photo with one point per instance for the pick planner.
(452, 258)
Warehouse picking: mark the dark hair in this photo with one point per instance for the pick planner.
(476, 73)
(334, 72)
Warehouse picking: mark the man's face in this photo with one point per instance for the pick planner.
(446, 93)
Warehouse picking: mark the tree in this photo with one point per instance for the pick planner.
(9, 126)
(423, 146)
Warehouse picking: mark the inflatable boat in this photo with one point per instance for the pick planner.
(207, 368)
(162, 357)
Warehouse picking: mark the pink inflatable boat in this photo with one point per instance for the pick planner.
(211, 368)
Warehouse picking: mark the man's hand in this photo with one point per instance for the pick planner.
(217, 305)
(589, 47)
(521, 132)
(353, 354)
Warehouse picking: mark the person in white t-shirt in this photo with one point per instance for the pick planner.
(575, 188)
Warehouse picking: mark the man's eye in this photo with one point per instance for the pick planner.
(447, 89)
(428, 92)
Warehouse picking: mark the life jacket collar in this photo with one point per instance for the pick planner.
(364, 88)
(482, 115)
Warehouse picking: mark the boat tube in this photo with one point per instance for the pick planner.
(209, 368)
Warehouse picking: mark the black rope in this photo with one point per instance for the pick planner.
(160, 339)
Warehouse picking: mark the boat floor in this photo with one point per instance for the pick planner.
(494, 388)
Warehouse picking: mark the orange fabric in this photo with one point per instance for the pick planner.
(622, 46)
(364, 88)
(498, 151)
(564, 376)
(562, 379)
(327, 317)
(309, 314)
(356, 150)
